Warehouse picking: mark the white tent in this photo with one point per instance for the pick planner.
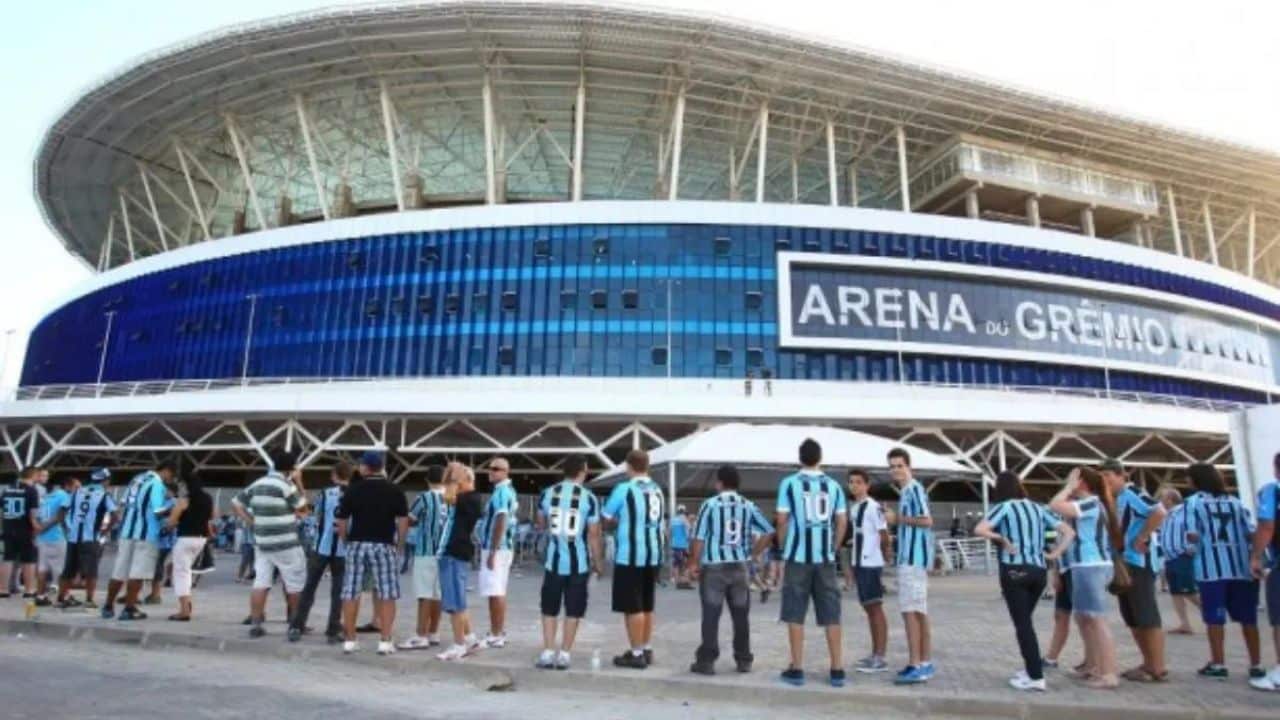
(764, 453)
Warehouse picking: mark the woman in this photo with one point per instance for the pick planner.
(191, 516)
(1086, 503)
(1018, 526)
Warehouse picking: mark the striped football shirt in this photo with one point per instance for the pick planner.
(568, 511)
(637, 505)
(429, 513)
(726, 525)
(1023, 523)
(810, 499)
(915, 544)
(1226, 530)
(503, 501)
(328, 544)
(273, 501)
(90, 506)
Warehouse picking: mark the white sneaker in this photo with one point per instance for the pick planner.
(417, 642)
(1022, 682)
(546, 661)
(562, 660)
(472, 645)
(349, 646)
(453, 654)
(495, 641)
(1274, 676)
(386, 647)
(433, 640)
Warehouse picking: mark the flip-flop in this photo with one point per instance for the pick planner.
(1141, 675)
(1181, 631)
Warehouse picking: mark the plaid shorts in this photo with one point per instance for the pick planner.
(380, 562)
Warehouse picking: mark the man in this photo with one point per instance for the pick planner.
(1179, 558)
(329, 553)
(730, 530)
(914, 524)
(427, 515)
(270, 507)
(51, 543)
(20, 507)
(635, 508)
(456, 551)
(870, 533)
(89, 523)
(1266, 541)
(1223, 530)
(570, 515)
(1140, 518)
(497, 537)
(139, 545)
(680, 549)
(373, 519)
(810, 518)
(167, 541)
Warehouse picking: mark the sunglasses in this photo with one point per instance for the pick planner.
(497, 469)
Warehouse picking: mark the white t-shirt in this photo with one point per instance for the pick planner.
(866, 521)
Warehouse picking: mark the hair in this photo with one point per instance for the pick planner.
(169, 464)
(1206, 479)
(283, 460)
(574, 465)
(1009, 487)
(1275, 462)
(859, 472)
(1169, 492)
(1092, 480)
(900, 453)
(30, 472)
(343, 469)
(503, 458)
(728, 477)
(638, 460)
(57, 481)
(810, 453)
(195, 483)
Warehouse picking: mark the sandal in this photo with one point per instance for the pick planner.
(180, 618)
(1102, 683)
(1143, 675)
(1181, 631)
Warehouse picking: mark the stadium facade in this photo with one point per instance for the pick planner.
(471, 228)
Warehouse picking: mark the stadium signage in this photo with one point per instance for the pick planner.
(916, 306)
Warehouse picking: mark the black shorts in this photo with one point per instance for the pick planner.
(1062, 598)
(20, 550)
(569, 589)
(869, 584)
(82, 560)
(633, 589)
(1138, 606)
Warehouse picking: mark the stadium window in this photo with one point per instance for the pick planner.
(206, 280)
(355, 260)
(755, 357)
(568, 299)
(175, 286)
(658, 355)
(397, 306)
(426, 305)
(509, 301)
(542, 248)
(841, 242)
(452, 302)
(630, 299)
(506, 356)
(600, 247)
(722, 246)
(599, 299)
(138, 335)
(476, 356)
(754, 299)
(278, 315)
(812, 243)
(430, 255)
(480, 302)
(782, 244)
(372, 308)
(724, 356)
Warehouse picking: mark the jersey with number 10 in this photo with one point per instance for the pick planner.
(811, 500)
(569, 511)
(637, 506)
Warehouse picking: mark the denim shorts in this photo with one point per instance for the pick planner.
(453, 584)
(1089, 589)
(802, 583)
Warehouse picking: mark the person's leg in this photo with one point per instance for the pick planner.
(1090, 664)
(711, 593)
(915, 650)
(6, 571)
(635, 630)
(497, 615)
(315, 573)
(1252, 643)
(433, 617)
(549, 623)
(258, 604)
(879, 625)
(386, 615)
(1021, 592)
(926, 639)
(132, 589)
(337, 574)
(795, 640)
(350, 609)
(826, 590)
(738, 596)
(1184, 621)
(182, 561)
(570, 633)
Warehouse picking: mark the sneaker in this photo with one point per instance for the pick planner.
(453, 654)
(433, 640)
(837, 677)
(332, 639)
(910, 675)
(743, 666)
(495, 642)
(1214, 672)
(257, 631)
(130, 613)
(1259, 679)
(151, 600)
(764, 596)
(294, 634)
(1022, 682)
(417, 642)
(546, 661)
(349, 647)
(648, 656)
(90, 605)
(107, 613)
(1274, 676)
(386, 647)
(247, 621)
(70, 602)
(872, 664)
(43, 601)
(1049, 664)
(702, 668)
(629, 659)
(562, 660)
(793, 676)
(472, 645)
(928, 670)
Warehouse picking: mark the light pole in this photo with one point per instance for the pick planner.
(4, 365)
(248, 338)
(902, 367)
(106, 341)
(670, 350)
(1106, 340)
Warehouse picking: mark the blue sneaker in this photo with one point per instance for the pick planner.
(837, 677)
(927, 670)
(107, 612)
(910, 675)
(793, 676)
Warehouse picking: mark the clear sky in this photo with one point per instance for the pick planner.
(1206, 66)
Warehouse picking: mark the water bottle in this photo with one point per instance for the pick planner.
(595, 660)
(29, 611)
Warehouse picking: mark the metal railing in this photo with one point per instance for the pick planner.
(711, 386)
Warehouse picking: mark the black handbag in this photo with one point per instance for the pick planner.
(204, 563)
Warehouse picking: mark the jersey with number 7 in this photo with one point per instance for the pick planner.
(637, 505)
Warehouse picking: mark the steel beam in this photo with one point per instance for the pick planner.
(762, 151)
(304, 124)
(903, 180)
(128, 227)
(490, 173)
(393, 155)
(243, 160)
(677, 142)
(1208, 232)
(1174, 226)
(579, 118)
(151, 202)
(832, 176)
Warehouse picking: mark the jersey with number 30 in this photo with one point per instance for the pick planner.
(811, 500)
(638, 507)
(569, 511)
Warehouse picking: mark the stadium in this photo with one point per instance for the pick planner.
(464, 229)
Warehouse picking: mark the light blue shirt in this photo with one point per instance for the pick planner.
(54, 503)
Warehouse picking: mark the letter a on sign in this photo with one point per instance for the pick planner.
(815, 303)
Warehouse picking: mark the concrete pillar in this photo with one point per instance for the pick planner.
(1033, 211)
(971, 208)
(1086, 222)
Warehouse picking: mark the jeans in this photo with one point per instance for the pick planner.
(721, 583)
(1022, 586)
(316, 565)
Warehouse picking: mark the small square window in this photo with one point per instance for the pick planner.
(506, 356)
(724, 356)
(452, 302)
(510, 301)
(397, 306)
(599, 299)
(754, 299)
(658, 355)
(600, 246)
(722, 246)
(782, 244)
(542, 248)
(476, 356)
(840, 243)
(372, 308)
(279, 314)
(355, 260)
(426, 304)
(480, 302)
(568, 299)
(630, 299)
(812, 243)
(755, 357)
(430, 255)
(138, 335)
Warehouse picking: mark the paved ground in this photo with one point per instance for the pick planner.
(974, 650)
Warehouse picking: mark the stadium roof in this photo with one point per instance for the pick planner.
(375, 108)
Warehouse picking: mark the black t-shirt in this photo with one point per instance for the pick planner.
(16, 504)
(372, 506)
(467, 510)
(194, 521)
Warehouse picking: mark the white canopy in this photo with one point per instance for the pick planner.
(763, 453)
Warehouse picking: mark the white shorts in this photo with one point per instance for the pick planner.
(426, 577)
(913, 589)
(52, 558)
(291, 563)
(135, 560)
(493, 583)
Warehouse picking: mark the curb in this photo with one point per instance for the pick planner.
(488, 676)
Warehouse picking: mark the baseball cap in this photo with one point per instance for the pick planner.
(1112, 465)
(371, 459)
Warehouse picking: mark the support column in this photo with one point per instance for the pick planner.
(677, 138)
(1139, 237)
(244, 171)
(1173, 221)
(903, 181)
(393, 156)
(833, 177)
(762, 151)
(128, 228)
(1033, 211)
(971, 208)
(1253, 240)
(316, 178)
(734, 192)
(191, 188)
(579, 117)
(853, 184)
(490, 176)
(795, 180)
(1208, 232)
(104, 255)
(1086, 222)
(151, 203)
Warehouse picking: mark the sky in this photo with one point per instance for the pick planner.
(1207, 67)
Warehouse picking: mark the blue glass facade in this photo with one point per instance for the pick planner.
(587, 300)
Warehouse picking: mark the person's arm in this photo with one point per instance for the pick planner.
(916, 514)
(1066, 536)
(239, 510)
(495, 538)
(613, 506)
(782, 513)
(1155, 515)
(986, 530)
(595, 539)
(179, 506)
(1266, 528)
(1062, 503)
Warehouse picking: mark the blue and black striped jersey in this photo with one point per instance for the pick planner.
(90, 506)
(637, 505)
(1023, 523)
(568, 510)
(328, 544)
(1226, 529)
(1135, 505)
(429, 513)
(915, 544)
(811, 500)
(726, 525)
